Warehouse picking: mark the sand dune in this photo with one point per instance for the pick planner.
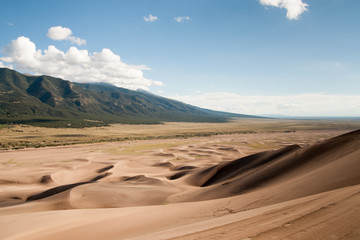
(331, 164)
(187, 191)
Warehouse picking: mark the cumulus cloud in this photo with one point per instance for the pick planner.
(311, 104)
(62, 33)
(75, 65)
(182, 19)
(294, 8)
(150, 18)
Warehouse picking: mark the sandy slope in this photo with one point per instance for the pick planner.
(183, 190)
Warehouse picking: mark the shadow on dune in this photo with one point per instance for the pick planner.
(54, 191)
(321, 167)
(141, 180)
(228, 170)
(105, 169)
(177, 175)
(63, 188)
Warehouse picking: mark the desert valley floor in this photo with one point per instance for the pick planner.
(280, 185)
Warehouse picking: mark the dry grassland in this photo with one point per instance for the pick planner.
(22, 136)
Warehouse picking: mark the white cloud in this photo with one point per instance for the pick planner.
(150, 18)
(182, 19)
(59, 33)
(76, 65)
(311, 104)
(294, 7)
(62, 33)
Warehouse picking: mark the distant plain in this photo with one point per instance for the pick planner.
(24, 136)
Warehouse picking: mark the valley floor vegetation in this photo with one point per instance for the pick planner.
(18, 136)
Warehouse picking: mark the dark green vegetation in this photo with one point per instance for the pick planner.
(54, 102)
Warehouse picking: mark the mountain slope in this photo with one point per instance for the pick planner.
(47, 99)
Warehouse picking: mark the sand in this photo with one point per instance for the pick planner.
(299, 185)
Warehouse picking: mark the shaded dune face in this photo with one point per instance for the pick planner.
(62, 188)
(53, 191)
(238, 168)
(324, 166)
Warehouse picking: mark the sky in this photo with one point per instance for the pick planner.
(258, 57)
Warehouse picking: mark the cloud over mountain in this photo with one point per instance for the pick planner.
(294, 7)
(307, 104)
(74, 65)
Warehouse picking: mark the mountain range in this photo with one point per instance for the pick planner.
(50, 101)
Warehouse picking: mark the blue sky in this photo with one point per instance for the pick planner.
(291, 57)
